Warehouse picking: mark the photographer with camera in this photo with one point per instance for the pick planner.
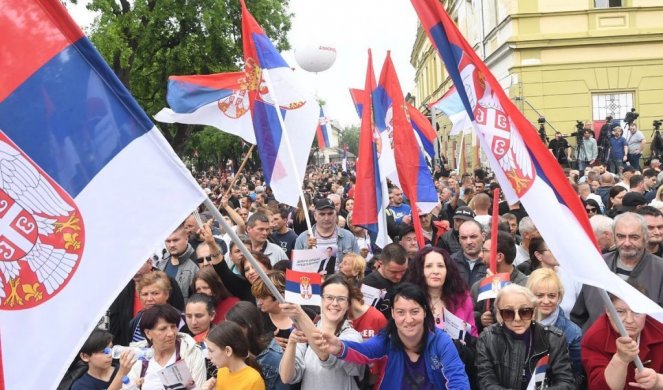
(618, 149)
(587, 150)
(560, 149)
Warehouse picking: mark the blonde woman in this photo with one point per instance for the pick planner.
(353, 267)
(548, 290)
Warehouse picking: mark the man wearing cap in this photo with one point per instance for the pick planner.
(618, 149)
(470, 265)
(408, 240)
(449, 240)
(327, 234)
(631, 262)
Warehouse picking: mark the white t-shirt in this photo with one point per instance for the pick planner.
(152, 380)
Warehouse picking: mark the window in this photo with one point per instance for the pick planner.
(607, 3)
(613, 104)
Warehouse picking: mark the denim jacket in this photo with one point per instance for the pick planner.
(269, 360)
(346, 242)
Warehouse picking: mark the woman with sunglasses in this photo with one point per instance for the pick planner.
(607, 357)
(309, 364)
(548, 290)
(508, 351)
(416, 354)
(592, 207)
(208, 282)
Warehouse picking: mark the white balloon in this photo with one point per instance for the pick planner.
(315, 57)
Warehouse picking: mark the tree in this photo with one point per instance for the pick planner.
(145, 41)
(350, 136)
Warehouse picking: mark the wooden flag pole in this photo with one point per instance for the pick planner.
(246, 158)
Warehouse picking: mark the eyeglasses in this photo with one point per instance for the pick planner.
(525, 314)
(331, 298)
(201, 260)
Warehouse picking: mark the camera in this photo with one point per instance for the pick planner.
(631, 116)
(657, 124)
(580, 129)
(541, 120)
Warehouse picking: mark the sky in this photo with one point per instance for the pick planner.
(351, 27)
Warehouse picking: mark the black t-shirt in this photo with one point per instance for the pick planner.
(558, 147)
(285, 241)
(87, 382)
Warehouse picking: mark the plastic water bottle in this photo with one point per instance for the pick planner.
(127, 384)
(141, 353)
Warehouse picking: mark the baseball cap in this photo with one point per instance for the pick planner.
(464, 212)
(324, 203)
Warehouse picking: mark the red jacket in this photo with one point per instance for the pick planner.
(598, 346)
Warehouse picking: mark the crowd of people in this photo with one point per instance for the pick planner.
(198, 300)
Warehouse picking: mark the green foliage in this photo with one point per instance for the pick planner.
(350, 136)
(145, 41)
(214, 148)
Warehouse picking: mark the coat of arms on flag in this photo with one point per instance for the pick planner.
(41, 232)
(491, 285)
(302, 287)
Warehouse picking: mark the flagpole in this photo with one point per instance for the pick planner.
(246, 158)
(245, 251)
(436, 145)
(272, 93)
(618, 322)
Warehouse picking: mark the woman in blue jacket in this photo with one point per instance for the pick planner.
(411, 352)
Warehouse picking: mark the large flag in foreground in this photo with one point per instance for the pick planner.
(88, 188)
(248, 104)
(524, 167)
(414, 175)
(371, 196)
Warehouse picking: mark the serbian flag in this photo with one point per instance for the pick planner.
(248, 104)
(425, 136)
(357, 96)
(216, 100)
(452, 106)
(88, 187)
(303, 288)
(522, 164)
(414, 177)
(371, 195)
(539, 374)
(321, 133)
(491, 285)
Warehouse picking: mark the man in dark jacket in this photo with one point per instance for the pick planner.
(449, 240)
(470, 265)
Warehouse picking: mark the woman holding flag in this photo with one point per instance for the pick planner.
(510, 352)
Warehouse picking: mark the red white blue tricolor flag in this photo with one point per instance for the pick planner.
(248, 104)
(452, 106)
(414, 176)
(322, 134)
(88, 187)
(491, 285)
(371, 195)
(539, 374)
(524, 167)
(303, 288)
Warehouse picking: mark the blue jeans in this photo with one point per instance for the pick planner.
(634, 160)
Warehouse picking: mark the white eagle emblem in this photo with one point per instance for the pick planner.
(40, 231)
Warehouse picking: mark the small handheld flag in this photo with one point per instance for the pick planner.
(539, 374)
(491, 285)
(302, 287)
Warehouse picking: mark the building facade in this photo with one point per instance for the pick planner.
(565, 60)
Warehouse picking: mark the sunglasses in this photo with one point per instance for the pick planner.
(201, 260)
(525, 314)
